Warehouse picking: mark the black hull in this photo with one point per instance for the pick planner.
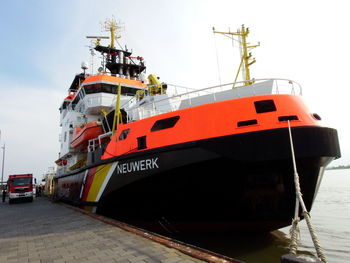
(232, 183)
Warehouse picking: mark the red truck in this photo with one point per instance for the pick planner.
(20, 186)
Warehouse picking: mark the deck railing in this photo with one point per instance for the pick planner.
(280, 86)
(178, 94)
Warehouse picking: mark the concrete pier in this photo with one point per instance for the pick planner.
(45, 232)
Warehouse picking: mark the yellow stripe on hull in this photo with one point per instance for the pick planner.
(99, 178)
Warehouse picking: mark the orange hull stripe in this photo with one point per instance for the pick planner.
(210, 121)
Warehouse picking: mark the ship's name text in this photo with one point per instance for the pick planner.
(137, 166)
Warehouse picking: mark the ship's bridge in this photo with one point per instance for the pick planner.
(99, 93)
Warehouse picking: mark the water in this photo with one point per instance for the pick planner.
(331, 219)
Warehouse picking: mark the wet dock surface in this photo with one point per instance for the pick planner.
(45, 232)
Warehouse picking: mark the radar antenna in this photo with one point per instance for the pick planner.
(97, 42)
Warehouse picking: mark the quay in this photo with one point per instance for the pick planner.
(46, 232)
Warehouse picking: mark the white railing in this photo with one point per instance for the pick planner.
(182, 97)
(280, 86)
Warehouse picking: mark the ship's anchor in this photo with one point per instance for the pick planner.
(293, 257)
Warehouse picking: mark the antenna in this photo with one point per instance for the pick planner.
(110, 25)
(97, 42)
(246, 56)
(98, 37)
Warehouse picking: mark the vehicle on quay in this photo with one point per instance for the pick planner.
(47, 180)
(177, 159)
(20, 187)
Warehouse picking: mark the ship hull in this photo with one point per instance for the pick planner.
(231, 183)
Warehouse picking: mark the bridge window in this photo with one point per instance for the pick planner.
(109, 88)
(100, 87)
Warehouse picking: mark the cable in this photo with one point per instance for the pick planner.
(217, 59)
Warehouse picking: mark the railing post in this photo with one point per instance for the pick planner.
(293, 90)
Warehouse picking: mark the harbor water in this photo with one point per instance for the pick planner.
(330, 216)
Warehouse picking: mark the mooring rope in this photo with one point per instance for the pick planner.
(294, 236)
(294, 231)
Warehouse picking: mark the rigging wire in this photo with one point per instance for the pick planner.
(217, 59)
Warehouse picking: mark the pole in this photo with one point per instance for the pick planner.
(116, 118)
(3, 164)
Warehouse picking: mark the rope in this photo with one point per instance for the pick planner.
(294, 231)
(314, 238)
(294, 236)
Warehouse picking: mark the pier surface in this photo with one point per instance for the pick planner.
(45, 232)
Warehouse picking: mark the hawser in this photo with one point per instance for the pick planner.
(177, 159)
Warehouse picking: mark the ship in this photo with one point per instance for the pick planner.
(175, 159)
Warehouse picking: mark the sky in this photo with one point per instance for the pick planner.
(43, 44)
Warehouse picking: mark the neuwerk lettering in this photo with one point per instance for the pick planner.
(137, 166)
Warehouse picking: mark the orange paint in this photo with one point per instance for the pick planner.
(210, 121)
(82, 134)
(114, 79)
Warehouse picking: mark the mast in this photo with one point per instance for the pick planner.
(246, 56)
(116, 59)
(111, 26)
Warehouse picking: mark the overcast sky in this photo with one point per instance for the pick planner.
(43, 44)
